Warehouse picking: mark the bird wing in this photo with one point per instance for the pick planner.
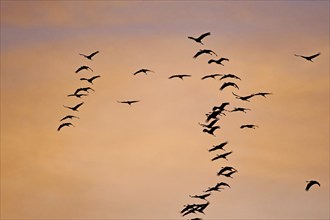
(223, 59)
(77, 106)
(174, 76)
(68, 116)
(313, 56)
(94, 77)
(79, 69)
(197, 54)
(211, 61)
(93, 54)
(82, 55)
(204, 35)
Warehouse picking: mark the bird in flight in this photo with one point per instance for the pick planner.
(90, 80)
(224, 156)
(225, 169)
(229, 174)
(210, 125)
(213, 188)
(218, 147)
(85, 89)
(309, 58)
(230, 76)
(200, 38)
(249, 126)
(78, 95)
(211, 131)
(83, 68)
(89, 56)
(63, 125)
(221, 107)
(75, 108)
(311, 183)
(204, 51)
(69, 116)
(211, 76)
(264, 94)
(145, 71)
(128, 102)
(226, 84)
(181, 76)
(204, 196)
(240, 109)
(218, 61)
(244, 98)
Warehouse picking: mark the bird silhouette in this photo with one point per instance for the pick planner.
(181, 76)
(311, 183)
(213, 188)
(205, 51)
(89, 56)
(240, 109)
(226, 84)
(90, 80)
(211, 131)
(218, 61)
(69, 117)
(68, 124)
(145, 71)
(230, 76)
(85, 89)
(309, 58)
(190, 211)
(213, 115)
(210, 125)
(200, 38)
(78, 95)
(128, 102)
(211, 76)
(187, 207)
(196, 219)
(229, 174)
(75, 108)
(264, 94)
(223, 156)
(204, 196)
(223, 184)
(218, 147)
(201, 207)
(83, 68)
(249, 126)
(221, 107)
(225, 169)
(244, 98)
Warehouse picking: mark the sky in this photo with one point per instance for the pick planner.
(143, 161)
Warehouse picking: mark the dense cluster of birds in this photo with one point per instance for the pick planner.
(79, 93)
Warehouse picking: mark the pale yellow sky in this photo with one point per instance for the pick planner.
(143, 161)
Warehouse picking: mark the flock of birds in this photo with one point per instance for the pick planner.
(212, 118)
(79, 93)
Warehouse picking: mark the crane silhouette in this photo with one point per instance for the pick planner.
(249, 126)
(240, 109)
(223, 184)
(223, 156)
(225, 169)
(211, 76)
(230, 76)
(69, 117)
(200, 38)
(68, 124)
(309, 58)
(228, 174)
(128, 102)
(218, 147)
(89, 56)
(204, 51)
(83, 68)
(75, 108)
(145, 71)
(90, 80)
(85, 89)
(78, 95)
(226, 84)
(264, 94)
(310, 183)
(244, 98)
(210, 125)
(211, 130)
(204, 196)
(218, 61)
(181, 76)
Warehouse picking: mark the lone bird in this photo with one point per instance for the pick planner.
(230, 76)
(223, 156)
(211, 131)
(222, 184)
(128, 102)
(210, 125)
(89, 56)
(264, 94)
(200, 38)
(204, 196)
(249, 126)
(90, 80)
(211, 76)
(244, 98)
(309, 58)
(145, 71)
(311, 183)
(181, 76)
(218, 147)
(240, 109)
(69, 117)
(83, 68)
(229, 174)
(226, 84)
(218, 61)
(200, 52)
(75, 108)
(68, 124)
(225, 169)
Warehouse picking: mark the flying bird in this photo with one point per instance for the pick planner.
(218, 61)
(264, 94)
(225, 169)
(89, 56)
(249, 126)
(311, 183)
(85, 89)
(145, 71)
(213, 115)
(230, 76)
(240, 109)
(75, 108)
(179, 76)
(211, 76)
(77, 95)
(200, 38)
(210, 125)
(90, 80)
(83, 68)
(226, 84)
(309, 58)
(69, 117)
(213, 188)
(221, 107)
(68, 124)
(204, 196)
(223, 156)
(244, 98)
(222, 184)
(128, 102)
(229, 174)
(211, 131)
(218, 147)
(205, 51)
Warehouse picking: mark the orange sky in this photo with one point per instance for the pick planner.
(143, 161)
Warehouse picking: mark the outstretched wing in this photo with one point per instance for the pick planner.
(313, 56)
(79, 69)
(204, 35)
(197, 54)
(93, 54)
